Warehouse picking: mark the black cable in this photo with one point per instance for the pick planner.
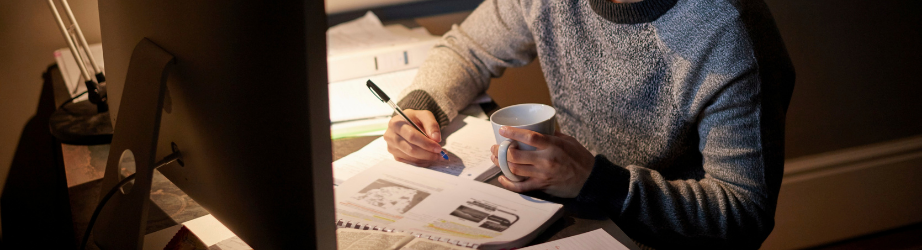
(176, 155)
(89, 227)
(71, 99)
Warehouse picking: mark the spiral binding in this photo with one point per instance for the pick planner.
(357, 225)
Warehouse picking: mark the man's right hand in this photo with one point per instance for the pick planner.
(408, 145)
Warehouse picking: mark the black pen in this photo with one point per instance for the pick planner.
(383, 97)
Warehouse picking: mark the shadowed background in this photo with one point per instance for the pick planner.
(857, 67)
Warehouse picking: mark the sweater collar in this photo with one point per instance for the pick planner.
(631, 13)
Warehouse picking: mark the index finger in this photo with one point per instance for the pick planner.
(529, 137)
(413, 136)
(428, 123)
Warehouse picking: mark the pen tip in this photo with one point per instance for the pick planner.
(445, 156)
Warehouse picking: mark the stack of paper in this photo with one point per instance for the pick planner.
(364, 49)
(351, 100)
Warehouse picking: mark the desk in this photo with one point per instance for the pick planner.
(567, 226)
(84, 166)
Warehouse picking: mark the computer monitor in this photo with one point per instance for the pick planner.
(245, 102)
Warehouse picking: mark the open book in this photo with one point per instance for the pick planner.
(357, 239)
(439, 207)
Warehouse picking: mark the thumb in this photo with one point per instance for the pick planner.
(430, 125)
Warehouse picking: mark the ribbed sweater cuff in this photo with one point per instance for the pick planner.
(420, 100)
(606, 187)
(632, 13)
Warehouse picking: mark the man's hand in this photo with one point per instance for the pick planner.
(408, 145)
(559, 166)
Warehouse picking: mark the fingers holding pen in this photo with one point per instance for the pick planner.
(407, 144)
(411, 135)
(429, 124)
(406, 131)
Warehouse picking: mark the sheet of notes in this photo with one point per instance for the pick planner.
(594, 240)
(467, 143)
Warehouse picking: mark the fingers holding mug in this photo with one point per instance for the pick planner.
(531, 138)
(523, 128)
(503, 162)
(519, 169)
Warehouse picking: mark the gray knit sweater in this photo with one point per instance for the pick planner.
(683, 103)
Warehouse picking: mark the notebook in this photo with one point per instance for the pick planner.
(466, 140)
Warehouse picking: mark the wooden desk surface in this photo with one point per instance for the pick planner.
(84, 166)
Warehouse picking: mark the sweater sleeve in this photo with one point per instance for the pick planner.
(731, 205)
(494, 37)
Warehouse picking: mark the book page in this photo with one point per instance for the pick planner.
(356, 239)
(427, 244)
(467, 142)
(594, 240)
(441, 207)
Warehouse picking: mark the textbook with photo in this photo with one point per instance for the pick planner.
(417, 203)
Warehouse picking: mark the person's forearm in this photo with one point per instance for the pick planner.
(420, 100)
(459, 68)
(706, 212)
(606, 187)
(444, 85)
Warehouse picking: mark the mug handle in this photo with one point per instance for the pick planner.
(503, 165)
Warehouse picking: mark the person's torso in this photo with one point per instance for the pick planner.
(633, 92)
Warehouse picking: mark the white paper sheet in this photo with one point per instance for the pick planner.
(363, 33)
(351, 99)
(594, 240)
(467, 142)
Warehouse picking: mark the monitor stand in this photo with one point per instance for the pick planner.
(123, 220)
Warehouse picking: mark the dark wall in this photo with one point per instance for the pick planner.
(858, 69)
(28, 38)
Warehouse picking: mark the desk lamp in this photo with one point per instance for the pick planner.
(85, 122)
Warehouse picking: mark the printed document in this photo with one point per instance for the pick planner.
(466, 140)
(351, 99)
(594, 240)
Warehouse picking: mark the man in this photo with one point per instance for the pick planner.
(671, 113)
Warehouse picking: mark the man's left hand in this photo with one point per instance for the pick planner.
(559, 166)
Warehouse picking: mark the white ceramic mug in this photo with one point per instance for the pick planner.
(530, 116)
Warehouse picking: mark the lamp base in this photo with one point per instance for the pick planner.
(81, 123)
